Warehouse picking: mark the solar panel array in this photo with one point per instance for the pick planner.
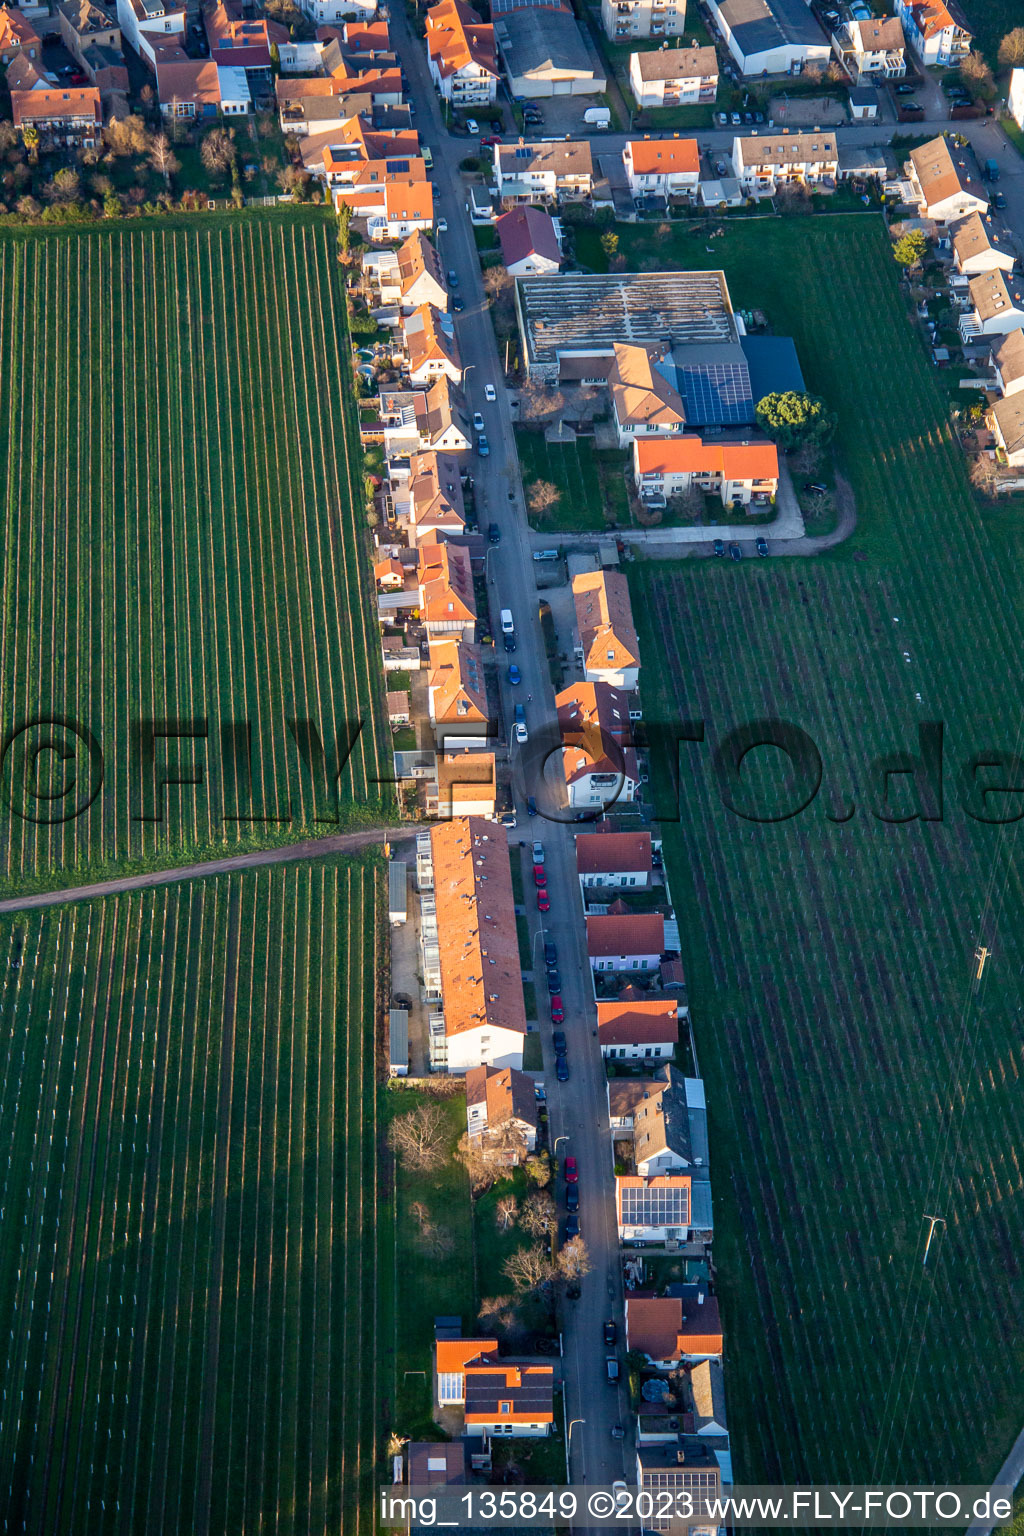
(656, 1205)
(580, 310)
(715, 393)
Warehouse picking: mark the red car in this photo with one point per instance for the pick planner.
(494, 139)
(543, 905)
(557, 1011)
(79, 79)
(539, 877)
(572, 1173)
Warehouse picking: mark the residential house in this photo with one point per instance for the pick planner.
(680, 1469)
(643, 18)
(1008, 362)
(634, 941)
(152, 26)
(452, 1357)
(510, 1400)
(676, 1329)
(707, 1386)
(941, 185)
(996, 309)
(71, 117)
(637, 1028)
(770, 37)
(416, 419)
(978, 246)
(481, 980)
(420, 275)
(397, 703)
(606, 643)
(742, 473)
(624, 1094)
(457, 693)
(644, 397)
(334, 11)
(432, 1463)
(673, 77)
(447, 601)
(324, 103)
(339, 156)
(436, 507)
(389, 575)
(871, 48)
(240, 42)
(431, 346)
(465, 785)
(598, 756)
(1005, 420)
(543, 53)
(670, 1126)
(25, 74)
(17, 36)
(764, 163)
(187, 87)
(937, 31)
(613, 860)
(1015, 97)
(561, 169)
(662, 1209)
(462, 54)
(663, 168)
(529, 241)
(92, 36)
(501, 1110)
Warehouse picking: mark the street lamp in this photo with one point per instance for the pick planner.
(568, 1445)
(555, 1150)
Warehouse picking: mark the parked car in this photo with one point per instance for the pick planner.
(493, 533)
(557, 1011)
(453, 278)
(611, 1366)
(720, 547)
(735, 119)
(572, 1172)
(543, 900)
(472, 126)
(814, 489)
(559, 1042)
(562, 1073)
(762, 546)
(550, 954)
(538, 852)
(735, 553)
(611, 1332)
(458, 304)
(748, 118)
(531, 806)
(490, 393)
(572, 1196)
(758, 117)
(520, 733)
(515, 677)
(478, 422)
(442, 226)
(539, 875)
(618, 1433)
(998, 201)
(572, 1226)
(509, 641)
(483, 447)
(722, 119)
(509, 819)
(905, 89)
(554, 982)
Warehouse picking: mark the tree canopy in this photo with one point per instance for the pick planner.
(1011, 49)
(910, 249)
(793, 419)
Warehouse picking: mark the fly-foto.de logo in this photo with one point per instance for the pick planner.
(52, 768)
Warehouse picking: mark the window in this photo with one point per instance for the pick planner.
(504, 1407)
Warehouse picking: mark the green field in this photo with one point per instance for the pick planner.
(188, 1130)
(857, 1076)
(588, 480)
(180, 509)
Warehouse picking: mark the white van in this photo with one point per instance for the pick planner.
(507, 626)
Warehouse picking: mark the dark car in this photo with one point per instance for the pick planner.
(618, 1433)
(762, 546)
(531, 806)
(453, 278)
(720, 547)
(572, 1172)
(515, 677)
(572, 1226)
(998, 201)
(735, 553)
(493, 534)
(562, 1073)
(554, 983)
(559, 1042)
(550, 953)
(611, 1332)
(572, 1197)
(758, 117)
(510, 642)
(458, 304)
(905, 90)
(748, 118)
(813, 488)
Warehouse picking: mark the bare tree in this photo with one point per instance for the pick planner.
(542, 497)
(529, 1269)
(573, 1260)
(396, 1443)
(1011, 49)
(537, 403)
(162, 157)
(418, 1138)
(8, 135)
(101, 185)
(539, 1216)
(65, 186)
(500, 290)
(28, 207)
(977, 76)
(505, 1211)
(217, 151)
(127, 135)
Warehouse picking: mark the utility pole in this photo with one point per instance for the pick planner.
(935, 1220)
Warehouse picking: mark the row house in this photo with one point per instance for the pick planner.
(673, 77)
(17, 36)
(606, 642)
(462, 54)
(447, 599)
(457, 694)
(609, 860)
(663, 168)
(72, 118)
(325, 103)
(937, 31)
(435, 509)
(670, 1126)
(762, 164)
(93, 38)
(638, 1028)
(978, 246)
(598, 755)
(741, 473)
(152, 27)
(418, 420)
(625, 941)
(995, 307)
(334, 155)
(560, 170)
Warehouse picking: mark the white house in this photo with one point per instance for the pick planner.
(1015, 97)
(150, 25)
(624, 19)
(941, 185)
(501, 1104)
(530, 243)
(997, 308)
(871, 49)
(559, 169)
(772, 160)
(598, 756)
(632, 941)
(770, 37)
(462, 54)
(978, 246)
(937, 31)
(673, 77)
(638, 1028)
(741, 473)
(1008, 362)
(670, 1127)
(605, 639)
(662, 167)
(613, 860)
(671, 1207)
(1006, 423)
(676, 1329)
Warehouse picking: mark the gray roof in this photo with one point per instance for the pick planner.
(1009, 413)
(700, 1201)
(535, 41)
(398, 1032)
(485, 1390)
(759, 25)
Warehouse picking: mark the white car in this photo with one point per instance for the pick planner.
(478, 422)
(622, 1498)
(472, 126)
(489, 393)
(442, 226)
(520, 732)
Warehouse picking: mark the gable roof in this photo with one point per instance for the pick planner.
(795, 149)
(25, 74)
(933, 16)
(669, 1327)
(16, 30)
(1008, 355)
(457, 38)
(611, 853)
(54, 105)
(641, 392)
(428, 338)
(691, 455)
(604, 619)
(456, 681)
(974, 235)
(1008, 416)
(938, 175)
(527, 232)
(676, 64)
(416, 257)
(991, 297)
(507, 1093)
(639, 933)
(662, 1121)
(596, 732)
(707, 1383)
(456, 1354)
(478, 948)
(877, 34)
(653, 1021)
(665, 155)
(446, 584)
(562, 157)
(195, 80)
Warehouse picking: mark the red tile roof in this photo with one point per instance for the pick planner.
(642, 933)
(665, 156)
(527, 232)
(611, 853)
(654, 1021)
(690, 455)
(57, 105)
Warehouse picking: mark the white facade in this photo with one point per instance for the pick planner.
(643, 18)
(487, 1046)
(672, 90)
(1015, 98)
(147, 22)
(781, 57)
(326, 12)
(659, 1050)
(949, 44)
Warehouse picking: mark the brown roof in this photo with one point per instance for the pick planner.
(444, 405)
(642, 933)
(625, 1093)
(16, 31)
(57, 104)
(194, 80)
(1008, 355)
(609, 853)
(25, 74)
(563, 157)
(456, 680)
(416, 256)
(481, 979)
(446, 584)
(881, 34)
(974, 235)
(794, 149)
(990, 295)
(526, 232)
(678, 63)
(1008, 416)
(464, 779)
(427, 340)
(429, 1462)
(508, 1094)
(651, 1022)
(596, 731)
(604, 619)
(938, 174)
(435, 492)
(670, 1327)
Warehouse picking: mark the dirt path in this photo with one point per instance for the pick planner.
(846, 522)
(312, 848)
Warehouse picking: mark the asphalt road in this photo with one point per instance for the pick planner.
(578, 1108)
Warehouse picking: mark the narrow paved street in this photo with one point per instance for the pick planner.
(578, 1108)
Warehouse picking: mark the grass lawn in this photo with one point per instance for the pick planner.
(592, 492)
(188, 1132)
(856, 1076)
(424, 1285)
(180, 512)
